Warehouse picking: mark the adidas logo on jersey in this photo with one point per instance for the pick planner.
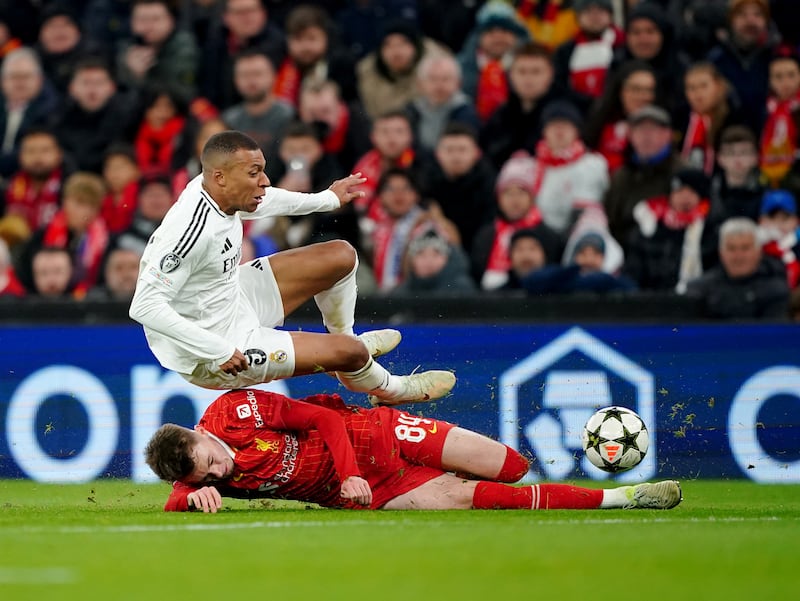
(228, 245)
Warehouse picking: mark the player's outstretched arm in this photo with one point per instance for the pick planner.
(206, 499)
(343, 188)
(357, 490)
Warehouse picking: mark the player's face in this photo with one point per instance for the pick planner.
(244, 182)
(211, 461)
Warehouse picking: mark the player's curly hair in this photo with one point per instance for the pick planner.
(169, 452)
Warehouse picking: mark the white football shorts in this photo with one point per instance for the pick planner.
(269, 351)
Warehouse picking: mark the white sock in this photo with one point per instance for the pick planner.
(338, 304)
(615, 498)
(372, 378)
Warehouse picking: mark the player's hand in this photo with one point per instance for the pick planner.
(357, 490)
(238, 362)
(343, 188)
(207, 499)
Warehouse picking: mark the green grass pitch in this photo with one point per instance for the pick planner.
(109, 539)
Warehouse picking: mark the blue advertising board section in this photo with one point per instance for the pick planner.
(720, 401)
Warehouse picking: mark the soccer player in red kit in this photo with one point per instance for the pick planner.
(254, 444)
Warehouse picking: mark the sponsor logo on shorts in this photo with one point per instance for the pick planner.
(279, 357)
(169, 262)
(243, 411)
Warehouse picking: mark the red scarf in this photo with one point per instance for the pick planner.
(118, 212)
(371, 166)
(492, 88)
(548, 158)
(36, 206)
(88, 253)
(783, 249)
(673, 219)
(287, 82)
(613, 143)
(335, 140)
(499, 260)
(779, 138)
(154, 147)
(589, 68)
(13, 286)
(390, 239)
(696, 142)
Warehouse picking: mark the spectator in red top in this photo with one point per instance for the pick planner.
(343, 127)
(163, 123)
(34, 192)
(583, 62)
(779, 231)
(78, 228)
(392, 146)
(313, 54)
(629, 89)
(121, 174)
(487, 55)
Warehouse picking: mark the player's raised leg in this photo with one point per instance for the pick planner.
(358, 371)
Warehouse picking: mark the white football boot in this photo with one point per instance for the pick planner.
(380, 342)
(417, 388)
(659, 495)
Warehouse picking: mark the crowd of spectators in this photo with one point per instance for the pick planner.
(510, 148)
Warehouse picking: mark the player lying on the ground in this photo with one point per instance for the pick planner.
(255, 444)
(215, 322)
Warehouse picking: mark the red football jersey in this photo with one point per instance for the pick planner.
(303, 450)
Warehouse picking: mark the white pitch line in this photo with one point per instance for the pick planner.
(47, 576)
(197, 527)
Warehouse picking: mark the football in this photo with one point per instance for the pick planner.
(615, 439)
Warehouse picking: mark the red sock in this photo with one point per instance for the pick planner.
(514, 467)
(493, 495)
(564, 496)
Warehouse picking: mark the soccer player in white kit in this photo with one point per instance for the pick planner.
(213, 321)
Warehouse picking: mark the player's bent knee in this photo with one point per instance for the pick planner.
(514, 467)
(341, 254)
(351, 353)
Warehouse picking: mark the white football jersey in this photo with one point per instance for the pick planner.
(188, 296)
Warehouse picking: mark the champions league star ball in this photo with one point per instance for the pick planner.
(615, 439)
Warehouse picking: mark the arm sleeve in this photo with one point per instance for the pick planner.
(297, 415)
(150, 307)
(179, 497)
(279, 202)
